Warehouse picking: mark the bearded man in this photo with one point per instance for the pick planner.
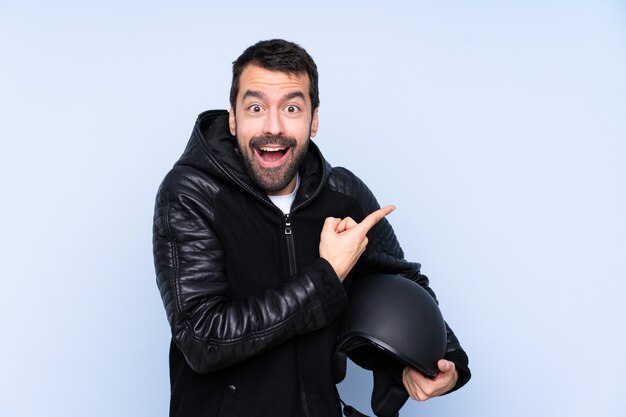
(255, 238)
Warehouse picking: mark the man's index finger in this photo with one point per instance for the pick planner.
(375, 216)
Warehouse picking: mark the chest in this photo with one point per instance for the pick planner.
(263, 247)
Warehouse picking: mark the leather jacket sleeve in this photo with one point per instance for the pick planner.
(384, 254)
(210, 329)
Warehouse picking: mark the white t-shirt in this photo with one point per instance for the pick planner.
(284, 202)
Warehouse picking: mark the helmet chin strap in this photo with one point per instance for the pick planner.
(388, 395)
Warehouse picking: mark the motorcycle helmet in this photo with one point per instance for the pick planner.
(392, 320)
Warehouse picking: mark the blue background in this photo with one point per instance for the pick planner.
(497, 128)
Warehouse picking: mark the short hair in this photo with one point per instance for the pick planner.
(277, 55)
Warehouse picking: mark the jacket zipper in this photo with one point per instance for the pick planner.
(291, 249)
(291, 253)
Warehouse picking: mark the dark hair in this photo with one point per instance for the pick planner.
(277, 55)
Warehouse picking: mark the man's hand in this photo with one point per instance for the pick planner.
(421, 388)
(343, 240)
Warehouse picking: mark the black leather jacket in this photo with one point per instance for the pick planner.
(252, 307)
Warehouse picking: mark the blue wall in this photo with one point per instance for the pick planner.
(498, 130)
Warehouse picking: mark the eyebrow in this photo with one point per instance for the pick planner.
(253, 93)
(295, 94)
(260, 95)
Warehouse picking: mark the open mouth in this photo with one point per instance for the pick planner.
(271, 155)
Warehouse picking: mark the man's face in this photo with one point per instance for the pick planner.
(273, 123)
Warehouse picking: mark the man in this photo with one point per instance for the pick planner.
(255, 236)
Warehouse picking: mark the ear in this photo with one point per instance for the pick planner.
(314, 122)
(232, 123)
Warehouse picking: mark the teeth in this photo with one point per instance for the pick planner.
(264, 149)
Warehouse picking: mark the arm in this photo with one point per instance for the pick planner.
(210, 329)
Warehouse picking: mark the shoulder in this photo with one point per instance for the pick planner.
(187, 190)
(184, 180)
(344, 181)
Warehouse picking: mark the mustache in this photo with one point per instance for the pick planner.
(280, 140)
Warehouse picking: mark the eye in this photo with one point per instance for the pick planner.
(255, 108)
(291, 108)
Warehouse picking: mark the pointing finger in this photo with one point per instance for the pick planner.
(375, 217)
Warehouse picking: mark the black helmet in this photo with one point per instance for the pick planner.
(390, 316)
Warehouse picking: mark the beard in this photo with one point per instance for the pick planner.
(273, 179)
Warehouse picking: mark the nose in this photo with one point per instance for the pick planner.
(273, 124)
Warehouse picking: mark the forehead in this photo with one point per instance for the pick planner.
(255, 78)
